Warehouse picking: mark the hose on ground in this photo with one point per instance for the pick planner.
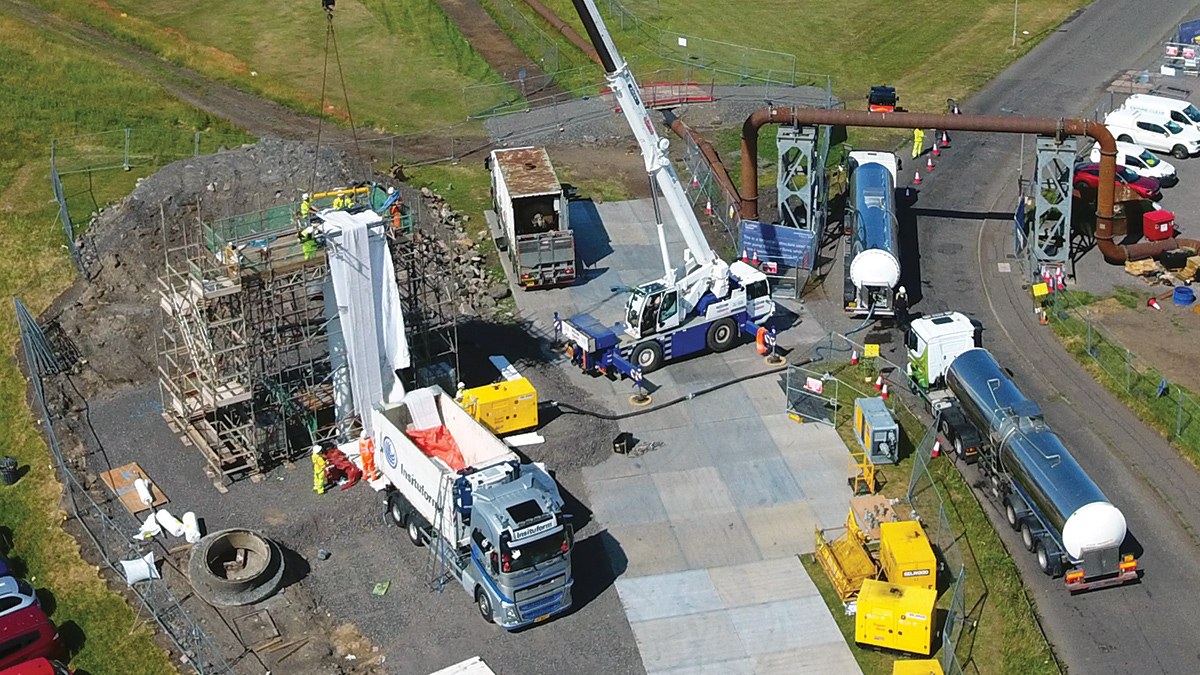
(870, 313)
(567, 407)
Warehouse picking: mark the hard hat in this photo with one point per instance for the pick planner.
(391, 190)
(308, 230)
(363, 434)
(316, 449)
(305, 195)
(902, 291)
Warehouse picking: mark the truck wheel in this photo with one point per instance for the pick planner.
(1125, 138)
(414, 533)
(721, 335)
(959, 453)
(484, 604)
(1179, 152)
(648, 356)
(397, 512)
(1010, 512)
(1049, 565)
(1027, 536)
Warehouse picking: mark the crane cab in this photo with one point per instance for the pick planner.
(652, 308)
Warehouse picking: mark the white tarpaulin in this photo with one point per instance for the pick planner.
(368, 303)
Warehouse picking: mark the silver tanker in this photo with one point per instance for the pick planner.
(1061, 514)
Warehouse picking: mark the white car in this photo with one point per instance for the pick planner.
(1179, 111)
(16, 594)
(1142, 162)
(1154, 132)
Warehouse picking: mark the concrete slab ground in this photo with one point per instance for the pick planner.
(712, 518)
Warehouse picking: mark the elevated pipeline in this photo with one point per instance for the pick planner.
(724, 182)
(562, 27)
(1112, 252)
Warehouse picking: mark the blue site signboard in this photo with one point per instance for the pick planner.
(776, 243)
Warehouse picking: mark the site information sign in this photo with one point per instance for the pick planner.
(775, 243)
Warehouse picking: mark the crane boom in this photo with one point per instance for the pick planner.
(653, 147)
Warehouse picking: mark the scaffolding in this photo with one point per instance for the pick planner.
(244, 358)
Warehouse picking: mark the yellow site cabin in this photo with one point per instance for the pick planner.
(895, 617)
(505, 406)
(906, 556)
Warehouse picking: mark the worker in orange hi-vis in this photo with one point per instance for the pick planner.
(366, 450)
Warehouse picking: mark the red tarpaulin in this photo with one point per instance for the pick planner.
(437, 442)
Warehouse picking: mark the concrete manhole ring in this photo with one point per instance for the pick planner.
(235, 567)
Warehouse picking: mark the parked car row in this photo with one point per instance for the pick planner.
(28, 639)
(1157, 123)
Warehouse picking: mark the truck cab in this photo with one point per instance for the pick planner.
(933, 342)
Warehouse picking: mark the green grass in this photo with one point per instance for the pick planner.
(1007, 639)
(1131, 381)
(405, 63)
(47, 89)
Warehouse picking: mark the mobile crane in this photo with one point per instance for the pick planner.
(703, 303)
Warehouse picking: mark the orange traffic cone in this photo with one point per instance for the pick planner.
(937, 447)
(854, 357)
(695, 182)
(929, 163)
(708, 207)
(879, 382)
(754, 260)
(883, 391)
(745, 256)
(935, 150)
(1154, 303)
(945, 140)
(916, 178)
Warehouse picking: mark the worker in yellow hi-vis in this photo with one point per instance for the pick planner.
(319, 465)
(918, 142)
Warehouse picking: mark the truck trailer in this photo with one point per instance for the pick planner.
(492, 523)
(531, 223)
(1062, 516)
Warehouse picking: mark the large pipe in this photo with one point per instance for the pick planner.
(724, 182)
(562, 27)
(1009, 125)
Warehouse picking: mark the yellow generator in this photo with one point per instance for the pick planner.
(906, 556)
(918, 667)
(505, 406)
(895, 617)
(876, 431)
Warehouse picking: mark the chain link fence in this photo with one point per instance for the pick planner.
(104, 520)
(1166, 405)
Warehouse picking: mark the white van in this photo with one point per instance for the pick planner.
(1179, 111)
(1154, 132)
(1142, 162)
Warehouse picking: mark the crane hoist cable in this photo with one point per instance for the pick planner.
(331, 38)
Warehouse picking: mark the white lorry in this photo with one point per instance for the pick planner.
(933, 343)
(493, 524)
(530, 217)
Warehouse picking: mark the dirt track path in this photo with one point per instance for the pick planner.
(492, 43)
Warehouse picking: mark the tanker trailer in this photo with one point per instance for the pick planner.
(1063, 518)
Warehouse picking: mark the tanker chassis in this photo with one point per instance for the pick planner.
(1062, 516)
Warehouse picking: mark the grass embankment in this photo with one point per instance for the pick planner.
(49, 89)
(405, 63)
(1006, 639)
(1129, 378)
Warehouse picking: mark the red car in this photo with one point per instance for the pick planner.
(42, 666)
(27, 634)
(1088, 176)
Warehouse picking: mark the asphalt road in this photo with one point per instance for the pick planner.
(1143, 628)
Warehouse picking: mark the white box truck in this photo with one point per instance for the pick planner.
(492, 523)
(531, 217)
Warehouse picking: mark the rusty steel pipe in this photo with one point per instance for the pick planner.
(562, 27)
(1008, 125)
(724, 182)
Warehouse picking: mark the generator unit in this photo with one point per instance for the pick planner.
(895, 617)
(505, 406)
(906, 556)
(876, 431)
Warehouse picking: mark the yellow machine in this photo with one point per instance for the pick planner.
(906, 556)
(895, 617)
(918, 667)
(846, 560)
(505, 406)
